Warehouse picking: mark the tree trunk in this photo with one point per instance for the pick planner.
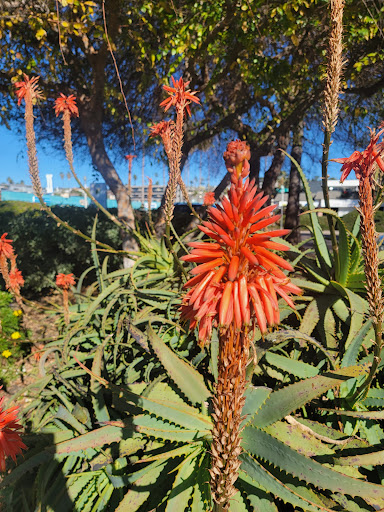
(93, 131)
(91, 119)
(293, 208)
(274, 170)
(254, 163)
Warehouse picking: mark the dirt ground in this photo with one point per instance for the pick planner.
(40, 323)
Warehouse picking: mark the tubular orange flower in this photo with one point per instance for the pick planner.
(237, 152)
(160, 128)
(28, 86)
(249, 273)
(6, 248)
(179, 96)
(209, 199)
(65, 281)
(10, 440)
(364, 163)
(16, 279)
(66, 104)
(235, 287)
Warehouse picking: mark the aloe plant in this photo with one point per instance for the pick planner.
(153, 451)
(335, 311)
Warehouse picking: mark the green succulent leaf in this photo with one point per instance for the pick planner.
(238, 504)
(374, 398)
(255, 397)
(321, 248)
(255, 475)
(365, 459)
(292, 366)
(309, 285)
(257, 497)
(352, 353)
(156, 427)
(201, 498)
(358, 308)
(186, 377)
(143, 486)
(364, 415)
(286, 400)
(183, 485)
(268, 448)
(299, 439)
(97, 396)
(310, 318)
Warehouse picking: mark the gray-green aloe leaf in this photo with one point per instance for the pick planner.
(292, 397)
(262, 445)
(186, 377)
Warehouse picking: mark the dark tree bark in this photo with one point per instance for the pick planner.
(254, 164)
(293, 208)
(275, 168)
(91, 120)
(93, 132)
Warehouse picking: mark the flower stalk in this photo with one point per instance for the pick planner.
(65, 281)
(331, 101)
(172, 134)
(235, 288)
(29, 91)
(130, 159)
(11, 274)
(66, 105)
(365, 164)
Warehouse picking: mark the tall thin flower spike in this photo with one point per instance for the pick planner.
(238, 279)
(172, 136)
(29, 91)
(65, 281)
(365, 164)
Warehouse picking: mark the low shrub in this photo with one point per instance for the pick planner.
(45, 249)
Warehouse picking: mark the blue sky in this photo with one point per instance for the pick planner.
(14, 164)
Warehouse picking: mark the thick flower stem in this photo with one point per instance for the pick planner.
(373, 281)
(324, 184)
(218, 508)
(65, 306)
(331, 103)
(35, 178)
(228, 403)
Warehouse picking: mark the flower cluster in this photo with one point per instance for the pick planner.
(364, 163)
(10, 440)
(27, 87)
(66, 104)
(179, 96)
(6, 248)
(65, 281)
(209, 199)
(238, 278)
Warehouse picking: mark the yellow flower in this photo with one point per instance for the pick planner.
(17, 312)
(15, 335)
(6, 353)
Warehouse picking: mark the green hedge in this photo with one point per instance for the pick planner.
(45, 249)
